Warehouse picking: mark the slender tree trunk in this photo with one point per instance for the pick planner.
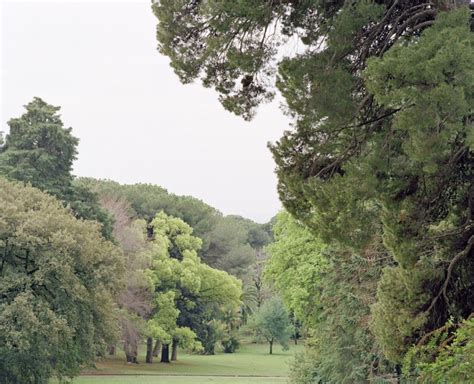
(149, 351)
(112, 350)
(165, 353)
(126, 349)
(156, 349)
(398, 372)
(131, 351)
(271, 346)
(174, 350)
(134, 351)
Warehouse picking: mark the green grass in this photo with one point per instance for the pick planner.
(178, 380)
(250, 365)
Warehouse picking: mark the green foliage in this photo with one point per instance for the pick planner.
(399, 312)
(40, 151)
(189, 292)
(229, 248)
(58, 281)
(272, 323)
(229, 329)
(431, 82)
(147, 200)
(445, 358)
(296, 266)
(330, 290)
(228, 243)
(379, 164)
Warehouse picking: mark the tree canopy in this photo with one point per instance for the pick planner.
(380, 156)
(40, 151)
(187, 289)
(272, 323)
(229, 242)
(57, 285)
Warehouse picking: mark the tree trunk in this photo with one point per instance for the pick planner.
(149, 351)
(271, 346)
(165, 353)
(134, 351)
(131, 351)
(126, 349)
(174, 350)
(156, 349)
(112, 350)
(398, 372)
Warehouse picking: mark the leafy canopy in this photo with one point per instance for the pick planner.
(58, 280)
(380, 157)
(272, 322)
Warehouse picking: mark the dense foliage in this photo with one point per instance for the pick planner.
(330, 290)
(40, 151)
(230, 243)
(373, 256)
(380, 160)
(272, 323)
(189, 293)
(65, 297)
(58, 279)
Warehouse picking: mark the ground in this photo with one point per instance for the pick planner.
(250, 365)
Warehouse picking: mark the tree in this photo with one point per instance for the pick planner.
(272, 322)
(229, 247)
(330, 290)
(187, 290)
(58, 281)
(135, 299)
(296, 267)
(380, 154)
(228, 243)
(451, 362)
(40, 151)
(228, 325)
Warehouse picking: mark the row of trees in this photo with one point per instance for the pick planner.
(230, 243)
(375, 254)
(86, 263)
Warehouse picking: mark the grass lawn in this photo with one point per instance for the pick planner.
(178, 380)
(250, 365)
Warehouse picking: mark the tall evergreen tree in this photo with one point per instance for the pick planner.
(381, 150)
(40, 151)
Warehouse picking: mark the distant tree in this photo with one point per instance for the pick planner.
(230, 322)
(229, 248)
(272, 322)
(229, 243)
(40, 151)
(249, 302)
(58, 280)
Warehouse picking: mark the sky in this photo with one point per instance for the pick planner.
(136, 122)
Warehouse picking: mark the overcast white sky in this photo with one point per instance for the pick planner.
(135, 120)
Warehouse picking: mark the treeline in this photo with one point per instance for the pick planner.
(230, 243)
(375, 252)
(87, 264)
